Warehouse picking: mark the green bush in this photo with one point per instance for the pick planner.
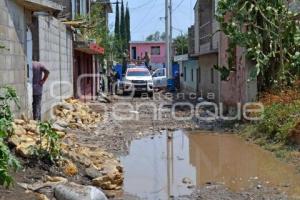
(278, 120)
(51, 150)
(7, 160)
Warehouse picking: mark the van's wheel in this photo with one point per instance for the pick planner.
(125, 93)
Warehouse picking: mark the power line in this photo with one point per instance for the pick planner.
(142, 5)
(143, 19)
(178, 5)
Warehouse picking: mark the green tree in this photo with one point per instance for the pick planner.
(181, 44)
(156, 36)
(8, 162)
(127, 25)
(123, 27)
(117, 22)
(268, 32)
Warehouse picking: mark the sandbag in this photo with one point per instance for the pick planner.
(72, 191)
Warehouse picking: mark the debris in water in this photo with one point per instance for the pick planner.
(186, 180)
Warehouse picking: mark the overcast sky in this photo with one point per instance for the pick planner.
(146, 16)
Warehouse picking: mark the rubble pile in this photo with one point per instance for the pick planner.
(104, 170)
(26, 137)
(74, 114)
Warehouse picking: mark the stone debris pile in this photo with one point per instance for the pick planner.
(26, 138)
(75, 114)
(104, 170)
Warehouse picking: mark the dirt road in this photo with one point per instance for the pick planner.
(126, 121)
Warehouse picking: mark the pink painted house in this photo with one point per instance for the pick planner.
(156, 50)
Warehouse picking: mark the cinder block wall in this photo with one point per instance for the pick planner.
(13, 56)
(56, 52)
(207, 86)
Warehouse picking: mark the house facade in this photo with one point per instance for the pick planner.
(156, 50)
(30, 30)
(205, 49)
(209, 48)
(189, 71)
(41, 30)
(86, 62)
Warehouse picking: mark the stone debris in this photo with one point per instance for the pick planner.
(48, 182)
(75, 114)
(25, 137)
(70, 168)
(41, 196)
(101, 167)
(186, 180)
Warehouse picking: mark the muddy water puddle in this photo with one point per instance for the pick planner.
(161, 166)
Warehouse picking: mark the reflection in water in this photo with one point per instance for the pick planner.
(155, 168)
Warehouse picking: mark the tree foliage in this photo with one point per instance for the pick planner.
(123, 27)
(157, 36)
(50, 151)
(122, 34)
(127, 26)
(7, 160)
(269, 33)
(181, 44)
(117, 21)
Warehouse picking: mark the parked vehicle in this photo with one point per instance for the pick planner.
(138, 80)
(160, 79)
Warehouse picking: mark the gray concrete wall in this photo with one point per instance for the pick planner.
(206, 85)
(188, 82)
(56, 52)
(51, 41)
(12, 57)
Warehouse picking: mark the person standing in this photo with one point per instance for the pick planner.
(40, 76)
(147, 59)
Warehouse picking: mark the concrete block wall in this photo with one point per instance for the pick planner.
(238, 88)
(56, 52)
(13, 56)
(206, 63)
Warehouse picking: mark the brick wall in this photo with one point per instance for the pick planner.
(56, 52)
(12, 57)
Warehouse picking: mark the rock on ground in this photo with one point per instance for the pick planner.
(72, 191)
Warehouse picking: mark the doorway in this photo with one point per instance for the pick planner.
(133, 53)
(29, 52)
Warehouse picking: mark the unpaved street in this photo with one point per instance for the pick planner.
(133, 140)
(165, 158)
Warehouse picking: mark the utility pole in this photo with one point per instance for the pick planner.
(167, 36)
(170, 40)
(168, 31)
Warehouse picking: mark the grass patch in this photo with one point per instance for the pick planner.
(273, 132)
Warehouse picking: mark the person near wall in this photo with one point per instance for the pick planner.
(40, 76)
(147, 59)
(124, 61)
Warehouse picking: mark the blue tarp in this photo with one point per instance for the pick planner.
(118, 69)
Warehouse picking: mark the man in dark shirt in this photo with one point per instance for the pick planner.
(40, 75)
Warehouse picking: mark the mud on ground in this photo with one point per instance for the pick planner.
(115, 137)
